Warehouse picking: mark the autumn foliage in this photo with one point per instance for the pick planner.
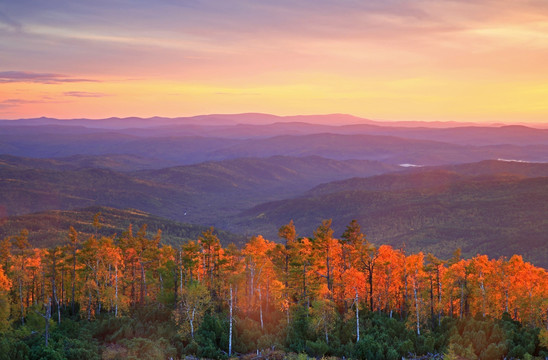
(283, 294)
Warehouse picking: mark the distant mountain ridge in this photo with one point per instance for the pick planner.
(214, 119)
(251, 173)
(183, 150)
(183, 141)
(267, 125)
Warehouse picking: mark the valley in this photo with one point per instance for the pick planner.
(251, 178)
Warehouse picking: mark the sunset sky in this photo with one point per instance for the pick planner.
(462, 60)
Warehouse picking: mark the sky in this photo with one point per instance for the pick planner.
(404, 60)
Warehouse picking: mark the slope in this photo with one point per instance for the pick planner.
(428, 177)
(499, 215)
(51, 228)
(205, 193)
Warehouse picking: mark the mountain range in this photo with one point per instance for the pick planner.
(428, 187)
(182, 141)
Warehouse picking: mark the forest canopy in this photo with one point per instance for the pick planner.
(130, 296)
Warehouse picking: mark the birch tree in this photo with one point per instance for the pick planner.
(194, 302)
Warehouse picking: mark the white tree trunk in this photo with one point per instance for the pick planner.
(181, 275)
(461, 303)
(191, 320)
(417, 307)
(356, 302)
(230, 326)
(439, 300)
(482, 297)
(325, 328)
(116, 291)
(261, 309)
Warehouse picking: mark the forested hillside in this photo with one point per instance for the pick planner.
(499, 215)
(128, 296)
(51, 228)
(492, 207)
(184, 193)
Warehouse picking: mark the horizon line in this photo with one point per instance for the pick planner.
(291, 119)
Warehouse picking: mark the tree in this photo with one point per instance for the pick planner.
(109, 270)
(190, 258)
(281, 256)
(194, 302)
(415, 266)
(5, 287)
(323, 317)
(324, 244)
(259, 269)
(435, 268)
(21, 253)
(5, 253)
(52, 257)
(47, 317)
(73, 248)
(211, 248)
(363, 252)
(147, 252)
(89, 258)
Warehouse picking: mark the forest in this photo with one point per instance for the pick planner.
(130, 296)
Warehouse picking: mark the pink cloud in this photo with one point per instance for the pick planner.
(42, 78)
(84, 94)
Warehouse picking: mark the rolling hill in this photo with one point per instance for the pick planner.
(234, 172)
(431, 177)
(51, 228)
(493, 207)
(116, 162)
(183, 141)
(204, 193)
(498, 215)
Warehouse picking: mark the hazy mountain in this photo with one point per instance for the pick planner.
(254, 125)
(492, 167)
(431, 211)
(493, 207)
(389, 149)
(204, 193)
(51, 228)
(210, 119)
(282, 174)
(464, 135)
(224, 119)
(24, 190)
(231, 163)
(433, 177)
(117, 162)
(43, 142)
(204, 138)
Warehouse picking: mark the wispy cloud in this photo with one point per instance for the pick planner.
(16, 102)
(428, 56)
(226, 93)
(12, 24)
(84, 94)
(42, 78)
